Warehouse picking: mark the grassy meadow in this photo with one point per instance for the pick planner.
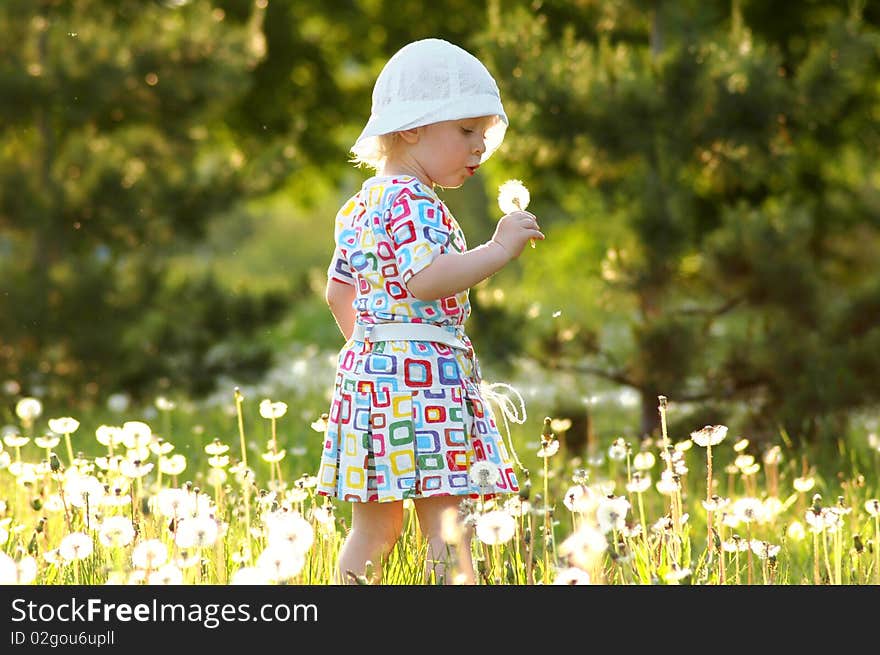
(223, 493)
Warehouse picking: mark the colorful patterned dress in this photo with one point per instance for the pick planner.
(407, 418)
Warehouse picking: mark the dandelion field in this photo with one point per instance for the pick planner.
(707, 509)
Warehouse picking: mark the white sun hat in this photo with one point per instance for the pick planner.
(428, 81)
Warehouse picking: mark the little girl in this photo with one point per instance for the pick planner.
(407, 419)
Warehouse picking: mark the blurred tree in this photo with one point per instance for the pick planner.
(114, 155)
(720, 179)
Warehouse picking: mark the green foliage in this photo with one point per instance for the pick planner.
(723, 149)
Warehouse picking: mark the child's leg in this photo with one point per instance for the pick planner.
(430, 512)
(374, 529)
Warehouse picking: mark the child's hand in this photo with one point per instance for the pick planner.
(514, 231)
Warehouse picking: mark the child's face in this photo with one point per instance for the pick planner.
(449, 152)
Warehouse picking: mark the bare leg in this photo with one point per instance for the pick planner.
(430, 512)
(375, 527)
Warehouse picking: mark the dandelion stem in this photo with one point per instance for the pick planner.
(69, 448)
(877, 548)
(238, 399)
(710, 545)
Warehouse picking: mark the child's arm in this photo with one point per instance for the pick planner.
(340, 298)
(451, 273)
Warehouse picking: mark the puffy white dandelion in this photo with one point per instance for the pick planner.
(280, 562)
(28, 410)
(196, 532)
(160, 446)
(764, 549)
(15, 440)
(644, 460)
(174, 465)
(580, 498)
(571, 576)
(676, 575)
(804, 484)
(168, 574)
(174, 503)
(872, 506)
(270, 410)
(163, 404)
(47, 441)
(668, 483)
(548, 448)
(513, 196)
(135, 468)
(109, 435)
(116, 531)
(617, 450)
(250, 575)
(75, 546)
(63, 425)
(495, 527)
(149, 554)
(748, 510)
(216, 447)
(611, 513)
(290, 529)
(640, 482)
(136, 434)
(82, 489)
(710, 435)
(20, 572)
(484, 474)
(584, 547)
(796, 531)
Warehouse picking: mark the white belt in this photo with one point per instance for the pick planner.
(408, 332)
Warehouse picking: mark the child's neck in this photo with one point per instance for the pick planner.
(397, 167)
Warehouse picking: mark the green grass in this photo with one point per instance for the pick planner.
(551, 541)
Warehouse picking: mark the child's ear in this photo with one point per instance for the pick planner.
(410, 136)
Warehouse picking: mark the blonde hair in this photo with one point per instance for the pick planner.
(375, 156)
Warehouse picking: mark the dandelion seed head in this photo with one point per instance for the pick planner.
(47, 441)
(571, 576)
(872, 506)
(796, 531)
(709, 435)
(75, 546)
(584, 547)
(513, 196)
(136, 434)
(196, 532)
(174, 465)
(804, 484)
(611, 513)
(640, 482)
(290, 529)
(617, 450)
(63, 425)
(580, 498)
(280, 563)
(272, 410)
(772, 455)
(484, 474)
(548, 448)
(741, 445)
(644, 460)
(163, 404)
(116, 531)
(168, 574)
(149, 554)
(495, 527)
(250, 575)
(28, 409)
